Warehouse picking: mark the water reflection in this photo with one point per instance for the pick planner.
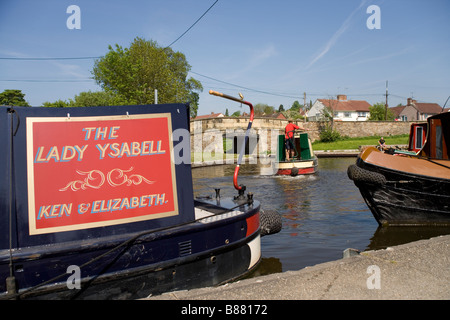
(323, 214)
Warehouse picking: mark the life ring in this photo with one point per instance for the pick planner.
(270, 222)
(358, 174)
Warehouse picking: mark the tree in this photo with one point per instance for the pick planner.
(294, 111)
(296, 106)
(378, 110)
(57, 104)
(95, 99)
(13, 98)
(262, 109)
(134, 73)
(194, 98)
(327, 132)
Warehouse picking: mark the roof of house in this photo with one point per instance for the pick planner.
(276, 115)
(423, 107)
(397, 110)
(428, 107)
(211, 115)
(346, 105)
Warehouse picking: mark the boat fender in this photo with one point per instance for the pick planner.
(270, 222)
(358, 174)
(294, 171)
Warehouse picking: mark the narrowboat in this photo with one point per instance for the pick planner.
(304, 160)
(97, 203)
(408, 188)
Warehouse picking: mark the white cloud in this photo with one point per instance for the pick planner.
(342, 29)
(71, 70)
(256, 59)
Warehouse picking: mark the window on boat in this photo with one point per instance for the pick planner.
(439, 142)
(419, 139)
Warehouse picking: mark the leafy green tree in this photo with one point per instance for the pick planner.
(377, 112)
(262, 108)
(193, 86)
(269, 110)
(259, 109)
(95, 99)
(134, 73)
(57, 104)
(327, 133)
(296, 106)
(294, 112)
(13, 98)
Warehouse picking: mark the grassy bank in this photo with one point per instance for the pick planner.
(354, 143)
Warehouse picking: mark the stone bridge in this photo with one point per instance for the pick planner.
(219, 136)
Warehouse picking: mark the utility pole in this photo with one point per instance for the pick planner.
(304, 106)
(386, 106)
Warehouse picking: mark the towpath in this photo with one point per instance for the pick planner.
(417, 270)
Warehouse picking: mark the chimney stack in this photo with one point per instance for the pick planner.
(341, 97)
(411, 101)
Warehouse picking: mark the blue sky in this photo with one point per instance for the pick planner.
(271, 51)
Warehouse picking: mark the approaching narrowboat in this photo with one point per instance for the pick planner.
(407, 187)
(97, 203)
(304, 161)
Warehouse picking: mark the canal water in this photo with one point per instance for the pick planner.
(322, 214)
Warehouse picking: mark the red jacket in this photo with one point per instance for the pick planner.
(289, 130)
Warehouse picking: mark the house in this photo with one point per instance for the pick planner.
(343, 109)
(416, 111)
(212, 115)
(397, 111)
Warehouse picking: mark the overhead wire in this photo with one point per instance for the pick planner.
(47, 80)
(193, 24)
(82, 58)
(285, 95)
(48, 58)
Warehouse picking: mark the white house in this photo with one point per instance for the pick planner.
(343, 109)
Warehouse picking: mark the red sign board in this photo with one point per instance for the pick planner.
(86, 172)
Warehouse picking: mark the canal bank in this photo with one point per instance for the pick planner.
(417, 270)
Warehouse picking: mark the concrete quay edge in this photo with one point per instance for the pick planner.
(413, 271)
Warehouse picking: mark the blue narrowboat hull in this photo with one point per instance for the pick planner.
(97, 203)
(214, 249)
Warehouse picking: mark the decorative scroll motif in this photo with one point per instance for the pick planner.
(96, 179)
